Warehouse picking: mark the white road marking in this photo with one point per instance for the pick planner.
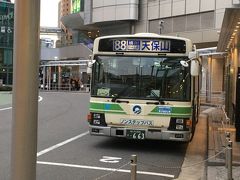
(7, 108)
(40, 98)
(104, 169)
(109, 159)
(61, 144)
(3, 109)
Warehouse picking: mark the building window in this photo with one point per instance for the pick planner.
(179, 24)
(192, 22)
(207, 20)
(184, 23)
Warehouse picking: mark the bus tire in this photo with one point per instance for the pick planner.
(196, 110)
(194, 122)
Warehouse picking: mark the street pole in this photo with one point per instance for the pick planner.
(44, 76)
(25, 89)
(134, 167)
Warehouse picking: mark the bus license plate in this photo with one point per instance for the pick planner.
(135, 134)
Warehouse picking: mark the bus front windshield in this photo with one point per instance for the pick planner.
(152, 78)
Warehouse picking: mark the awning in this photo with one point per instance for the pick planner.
(230, 21)
(76, 21)
(66, 63)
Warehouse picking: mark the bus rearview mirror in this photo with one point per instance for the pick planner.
(195, 67)
(89, 66)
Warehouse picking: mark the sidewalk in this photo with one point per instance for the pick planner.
(216, 169)
(5, 98)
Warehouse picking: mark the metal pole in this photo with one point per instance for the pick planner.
(25, 89)
(229, 154)
(44, 76)
(59, 78)
(227, 143)
(134, 167)
(50, 78)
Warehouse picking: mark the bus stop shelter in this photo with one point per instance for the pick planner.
(64, 75)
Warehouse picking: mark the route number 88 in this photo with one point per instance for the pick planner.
(120, 45)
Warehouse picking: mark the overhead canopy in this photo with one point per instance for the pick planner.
(75, 21)
(230, 21)
(67, 63)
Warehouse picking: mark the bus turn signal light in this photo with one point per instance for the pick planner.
(89, 117)
(189, 123)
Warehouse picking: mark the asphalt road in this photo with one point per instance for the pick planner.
(66, 151)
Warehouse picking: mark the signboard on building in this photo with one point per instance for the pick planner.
(77, 6)
(6, 24)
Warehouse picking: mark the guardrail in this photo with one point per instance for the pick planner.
(66, 87)
(228, 144)
(212, 98)
(134, 163)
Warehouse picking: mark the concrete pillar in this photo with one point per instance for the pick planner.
(25, 89)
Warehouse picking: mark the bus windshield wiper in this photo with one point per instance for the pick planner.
(161, 102)
(156, 101)
(119, 94)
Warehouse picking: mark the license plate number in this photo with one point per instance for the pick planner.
(135, 134)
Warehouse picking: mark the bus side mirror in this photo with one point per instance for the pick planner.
(195, 67)
(89, 70)
(195, 64)
(89, 66)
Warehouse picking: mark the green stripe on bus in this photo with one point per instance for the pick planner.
(105, 107)
(107, 111)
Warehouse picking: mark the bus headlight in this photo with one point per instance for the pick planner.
(97, 119)
(179, 127)
(179, 124)
(179, 121)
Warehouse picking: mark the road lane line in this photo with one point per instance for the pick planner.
(103, 169)
(7, 108)
(3, 109)
(61, 144)
(40, 98)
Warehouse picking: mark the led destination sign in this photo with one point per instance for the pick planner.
(142, 45)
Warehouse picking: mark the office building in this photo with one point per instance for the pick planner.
(6, 42)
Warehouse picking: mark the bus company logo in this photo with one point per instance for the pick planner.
(137, 109)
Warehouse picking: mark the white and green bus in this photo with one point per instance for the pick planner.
(144, 86)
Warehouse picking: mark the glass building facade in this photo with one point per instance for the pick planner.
(6, 42)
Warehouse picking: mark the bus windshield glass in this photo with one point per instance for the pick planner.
(147, 78)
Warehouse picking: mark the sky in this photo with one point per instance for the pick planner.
(49, 13)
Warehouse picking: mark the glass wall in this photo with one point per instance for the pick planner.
(6, 42)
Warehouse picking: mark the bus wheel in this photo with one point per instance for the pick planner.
(192, 134)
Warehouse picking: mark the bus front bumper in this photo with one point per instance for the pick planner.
(157, 134)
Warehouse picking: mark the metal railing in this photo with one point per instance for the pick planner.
(212, 98)
(134, 163)
(66, 87)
